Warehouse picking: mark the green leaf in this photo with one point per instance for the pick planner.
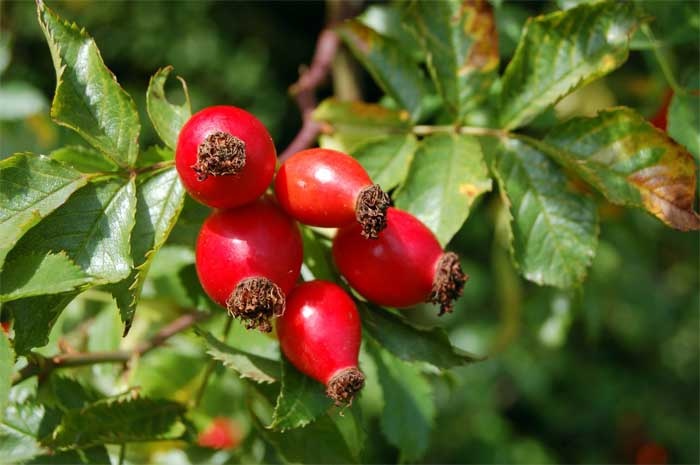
(555, 231)
(88, 98)
(247, 365)
(447, 175)
(562, 51)
(630, 162)
(31, 187)
(387, 160)
(67, 393)
(408, 415)
(390, 65)
(684, 120)
(390, 21)
(84, 159)
(349, 125)
(93, 228)
(167, 118)
(36, 275)
(327, 446)
(7, 364)
(301, 399)
(430, 345)
(159, 200)
(20, 431)
(34, 318)
(317, 257)
(461, 45)
(116, 421)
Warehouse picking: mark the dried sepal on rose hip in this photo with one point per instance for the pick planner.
(248, 259)
(225, 157)
(405, 266)
(327, 188)
(320, 334)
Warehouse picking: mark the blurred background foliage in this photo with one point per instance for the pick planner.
(607, 373)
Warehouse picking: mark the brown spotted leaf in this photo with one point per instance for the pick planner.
(631, 163)
(461, 45)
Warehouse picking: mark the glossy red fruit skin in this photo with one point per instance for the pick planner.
(319, 187)
(256, 240)
(231, 190)
(395, 270)
(320, 331)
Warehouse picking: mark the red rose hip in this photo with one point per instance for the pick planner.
(320, 334)
(322, 187)
(403, 267)
(248, 259)
(225, 157)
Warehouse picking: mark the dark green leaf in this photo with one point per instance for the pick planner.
(7, 364)
(254, 367)
(93, 229)
(317, 257)
(159, 200)
(409, 411)
(88, 98)
(67, 393)
(562, 51)
(167, 118)
(327, 445)
(31, 187)
(392, 68)
(20, 431)
(426, 345)
(301, 399)
(387, 160)
(684, 120)
(35, 317)
(446, 176)
(461, 45)
(198, 298)
(116, 421)
(555, 231)
(631, 163)
(84, 159)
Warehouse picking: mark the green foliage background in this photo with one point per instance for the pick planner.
(587, 375)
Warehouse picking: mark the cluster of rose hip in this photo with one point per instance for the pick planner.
(249, 251)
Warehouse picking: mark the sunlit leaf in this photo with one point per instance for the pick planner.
(631, 163)
(84, 159)
(447, 175)
(88, 98)
(159, 200)
(31, 187)
(36, 274)
(561, 52)
(93, 228)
